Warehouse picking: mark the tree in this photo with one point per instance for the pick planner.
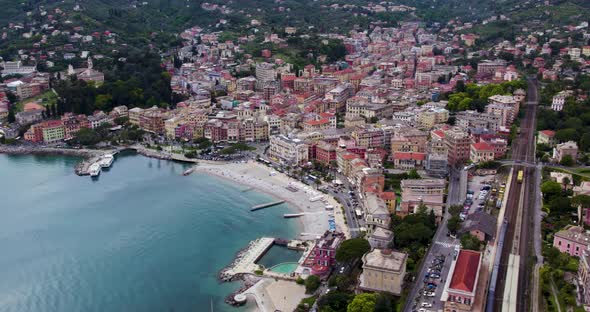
(334, 301)
(567, 161)
(581, 200)
(413, 174)
(11, 115)
(385, 303)
(86, 136)
(362, 303)
(352, 249)
(312, 283)
(550, 189)
(561, 205)
(455, 210)
(470, 242)
(454, 224)
(568, 134)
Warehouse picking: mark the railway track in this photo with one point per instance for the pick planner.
(517, 240)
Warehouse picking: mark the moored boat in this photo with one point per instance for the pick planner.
(106, 160)
(94, 170)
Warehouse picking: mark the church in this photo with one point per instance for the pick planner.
(86, 74)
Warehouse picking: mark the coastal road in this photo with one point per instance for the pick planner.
(343, 198)
(441, 245)
(520, 216)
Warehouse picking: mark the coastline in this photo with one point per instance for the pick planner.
(314, 222)
(257, 176)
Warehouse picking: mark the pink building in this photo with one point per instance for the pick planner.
(572, 239)
(323, 255)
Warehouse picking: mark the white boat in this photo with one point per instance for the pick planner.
(94, 170)
(106, 160)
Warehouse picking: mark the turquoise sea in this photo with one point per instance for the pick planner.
(140, 238)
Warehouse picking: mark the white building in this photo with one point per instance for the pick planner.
(288, 151)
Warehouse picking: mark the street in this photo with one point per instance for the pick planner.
(442, 245)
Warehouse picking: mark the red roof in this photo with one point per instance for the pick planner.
(548, 133)
(387, 195)
(409, 155)
(465, 272)
(482, 146)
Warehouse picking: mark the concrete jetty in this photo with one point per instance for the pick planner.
(245, 262)
(262, 206)
(293, 215)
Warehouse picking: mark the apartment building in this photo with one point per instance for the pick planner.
(288, 151)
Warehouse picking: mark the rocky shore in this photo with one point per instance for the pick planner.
(42, 150)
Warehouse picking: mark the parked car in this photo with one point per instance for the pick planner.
(426, 305)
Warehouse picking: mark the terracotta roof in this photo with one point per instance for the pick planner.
(549, 133)
(465, 272)
(409, 155)
(387, 195)
(482, 146)
(32, 106)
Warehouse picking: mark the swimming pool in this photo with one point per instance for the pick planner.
(284, 268)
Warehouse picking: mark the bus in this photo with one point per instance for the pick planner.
(520, 176)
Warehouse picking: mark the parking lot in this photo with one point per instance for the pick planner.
(433, 282)
(479, 190)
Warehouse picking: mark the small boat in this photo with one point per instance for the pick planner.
(106, 160)
(94, 170)
(188, 171)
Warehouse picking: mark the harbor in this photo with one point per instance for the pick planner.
(93, 166)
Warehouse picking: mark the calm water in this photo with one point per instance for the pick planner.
(141, 238)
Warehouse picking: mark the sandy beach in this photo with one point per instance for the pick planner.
(258, 176)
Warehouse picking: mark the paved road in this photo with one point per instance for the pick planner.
(442, 245)
(344, 199)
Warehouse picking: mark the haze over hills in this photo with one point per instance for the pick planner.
(130, 17)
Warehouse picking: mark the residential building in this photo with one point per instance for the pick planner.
(288, 151)
(546, 137)
(460, 288)
(53, 131)
(568, 148)
(573, 240)
(458, 144)
(473, 119)
(481, 152)
(427, 192)
(408, 160)
(322, 256)
(429, 118)
(559, 100)
(383, 271)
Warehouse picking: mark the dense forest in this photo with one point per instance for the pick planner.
(138, 81)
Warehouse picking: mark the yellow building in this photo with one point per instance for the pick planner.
(383, 270)
(53, 131)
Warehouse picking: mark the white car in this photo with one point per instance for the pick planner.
(430, 294)
(426, 305)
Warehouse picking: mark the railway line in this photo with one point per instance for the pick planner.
(512, 286)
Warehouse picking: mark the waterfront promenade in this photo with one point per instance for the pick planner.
(245, 262)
